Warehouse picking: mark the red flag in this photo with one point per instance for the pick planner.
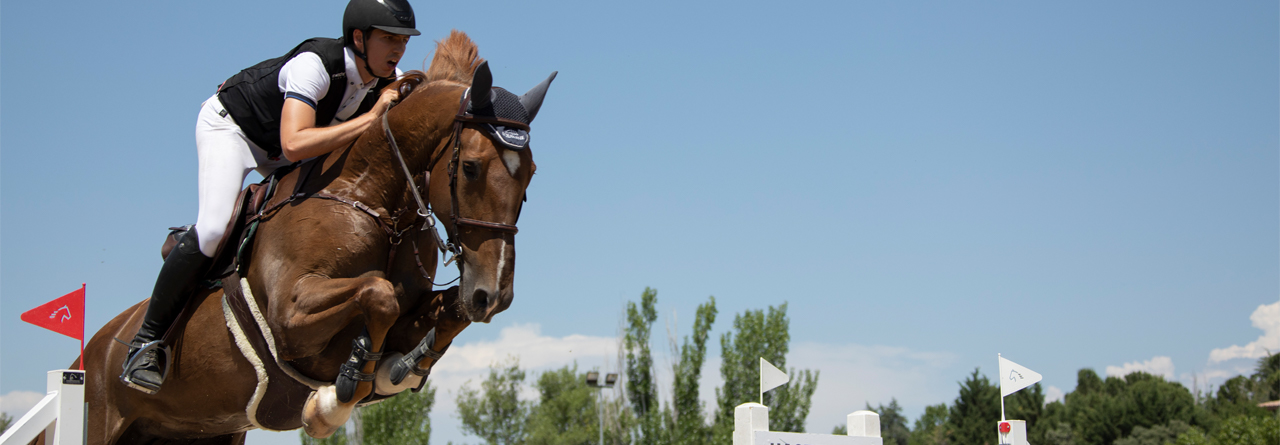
(64, 315)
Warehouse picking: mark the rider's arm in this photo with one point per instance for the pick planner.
(304, 82)
(300, 138)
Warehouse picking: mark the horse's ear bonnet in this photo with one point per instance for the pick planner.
(503, 104)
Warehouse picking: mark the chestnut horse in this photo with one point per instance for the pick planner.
(348, 257)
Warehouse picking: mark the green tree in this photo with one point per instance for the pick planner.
(1055, 425)
(1028, 404)
(1194, 436)
(760, 334)
(1239, 430)
(5, 422)
(642, 390)
(400, 420)
(338, 438)
(495, 412)
(1156, 435)
(689, 427)
(975, 411)
(1248, 430)
(1148, 400)
(1104, 411)
(1267, 378)
(932, 428)
(1236, 397)
(1060, 434)
(1092, 410)
(893, 425)
(566, 410)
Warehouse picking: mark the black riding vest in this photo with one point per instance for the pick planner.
(254, 100)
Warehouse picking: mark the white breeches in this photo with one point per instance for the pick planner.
(226, 157)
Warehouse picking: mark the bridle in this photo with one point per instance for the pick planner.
(460, 120)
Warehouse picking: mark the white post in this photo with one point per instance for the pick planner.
(747, 419)
(60, 414)
(863, 424)
(1017, 434)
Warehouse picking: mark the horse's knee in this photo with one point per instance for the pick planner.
(378, 301)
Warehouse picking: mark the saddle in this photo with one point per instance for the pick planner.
(250, 202)
(226, 260)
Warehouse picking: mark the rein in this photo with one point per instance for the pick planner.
(460, 120)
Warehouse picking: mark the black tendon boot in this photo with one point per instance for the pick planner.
(143, 369)
(349, 374)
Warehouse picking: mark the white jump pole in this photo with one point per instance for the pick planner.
(751, 427)
(60, 414)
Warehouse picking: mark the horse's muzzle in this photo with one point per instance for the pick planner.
(483, 304)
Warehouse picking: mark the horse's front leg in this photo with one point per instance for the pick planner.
(320, 307)
(408, 371)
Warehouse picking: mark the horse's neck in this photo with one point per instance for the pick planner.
(372, 173)
(369, 178)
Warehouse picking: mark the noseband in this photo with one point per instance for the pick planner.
(460, 120)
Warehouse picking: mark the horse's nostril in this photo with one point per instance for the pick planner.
(480, 298)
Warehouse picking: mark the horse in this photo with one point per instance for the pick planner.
(339, 274)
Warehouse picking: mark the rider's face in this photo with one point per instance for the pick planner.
(383, 49)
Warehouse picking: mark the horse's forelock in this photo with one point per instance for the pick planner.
(456, 59)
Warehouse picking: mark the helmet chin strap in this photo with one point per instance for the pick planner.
(364, 38)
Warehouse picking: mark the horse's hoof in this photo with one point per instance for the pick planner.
(322, 415)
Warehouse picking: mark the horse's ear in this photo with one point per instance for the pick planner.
(481, 82)
(532, 100)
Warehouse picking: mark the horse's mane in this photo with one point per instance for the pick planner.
(456, 59)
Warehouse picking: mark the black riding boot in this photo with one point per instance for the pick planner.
(182, 270)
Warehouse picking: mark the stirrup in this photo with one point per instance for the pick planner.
(131, 363)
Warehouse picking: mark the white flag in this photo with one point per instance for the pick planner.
(1014, 377)
(770, 376)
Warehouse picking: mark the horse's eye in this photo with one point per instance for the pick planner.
(471, 169)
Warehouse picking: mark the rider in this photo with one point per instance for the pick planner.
(315, 99)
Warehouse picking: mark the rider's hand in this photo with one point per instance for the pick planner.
(388, 98)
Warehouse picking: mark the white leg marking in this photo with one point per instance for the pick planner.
(331, 411)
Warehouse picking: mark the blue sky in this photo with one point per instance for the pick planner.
(1088, 184)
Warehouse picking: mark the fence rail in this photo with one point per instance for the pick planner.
(751, 427)
(60, 414)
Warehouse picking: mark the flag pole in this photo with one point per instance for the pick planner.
(83, 296)
(1002, 419)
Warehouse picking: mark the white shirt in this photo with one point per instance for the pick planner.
(305, 78)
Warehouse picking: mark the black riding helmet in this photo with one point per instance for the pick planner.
(393, 16)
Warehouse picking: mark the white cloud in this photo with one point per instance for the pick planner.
(526, 342)
(469, 362)
(1053, 394)
(1267, 318)
(1159, 365)
(17, 403)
